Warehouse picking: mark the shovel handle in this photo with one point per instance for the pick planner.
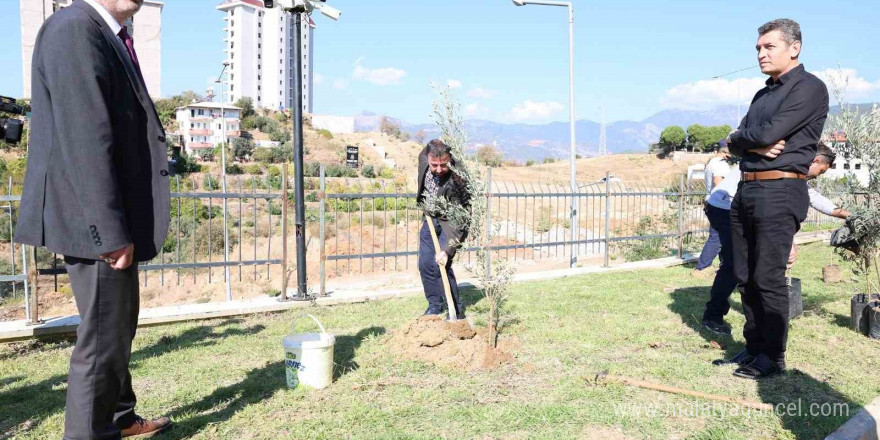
(453, 316)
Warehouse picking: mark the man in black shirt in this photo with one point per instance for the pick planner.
(777, 141)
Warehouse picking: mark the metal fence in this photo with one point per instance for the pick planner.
(255, 235)
(372, 225)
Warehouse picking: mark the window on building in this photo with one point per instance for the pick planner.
(192, 125)
(259, 35)
(846, 166)
(259, 88)
(201, 112)
(259, 57)
(231, 33)
(231, 12)
(858, 166)
(231, 87)
(192, 113)
(232, 45)
(232, 22)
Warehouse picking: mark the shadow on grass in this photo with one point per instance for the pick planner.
(196, 337)
(808, 408)
(25, 407)
(258, 385)
(345, 348)
(793, 387)
(690, 303)
(221, 405)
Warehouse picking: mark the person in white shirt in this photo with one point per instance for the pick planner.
(716, 170)
(718, 211)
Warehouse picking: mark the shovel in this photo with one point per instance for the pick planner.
(450, 305)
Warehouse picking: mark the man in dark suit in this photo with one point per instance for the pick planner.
(777, 141)
(96, 191)
(439, 185)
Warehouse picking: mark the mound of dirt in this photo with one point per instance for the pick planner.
(451, 344)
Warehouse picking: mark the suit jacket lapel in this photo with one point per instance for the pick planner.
(131, 71)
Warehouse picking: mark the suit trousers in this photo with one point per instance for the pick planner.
(430, 271)
(764, 216)
(100, 399)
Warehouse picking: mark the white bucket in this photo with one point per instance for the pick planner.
(308, 357)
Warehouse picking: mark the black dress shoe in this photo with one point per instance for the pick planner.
(433, 311)
(719, 327)
(742, 358)
(760, 368)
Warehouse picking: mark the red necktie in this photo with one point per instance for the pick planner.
(129, 44)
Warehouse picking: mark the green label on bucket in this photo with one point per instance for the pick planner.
(292, 368)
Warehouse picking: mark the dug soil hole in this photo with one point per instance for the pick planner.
(436, 341)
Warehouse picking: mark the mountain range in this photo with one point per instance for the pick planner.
(539, 141)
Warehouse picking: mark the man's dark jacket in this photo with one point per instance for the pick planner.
(453, 189)
(97, 170)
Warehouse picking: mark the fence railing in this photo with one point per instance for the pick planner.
(374, 226)
(371, 225)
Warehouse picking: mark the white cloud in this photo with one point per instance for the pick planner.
(480, 93)
(340, 84)
(529, 110)
(706, 94)
(383, 76)
(476, 110)
(857, 87)
(318, 79)
(453, 83)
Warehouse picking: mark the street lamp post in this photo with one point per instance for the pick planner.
(573, 152)
(223, 182)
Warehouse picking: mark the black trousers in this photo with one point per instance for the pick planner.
(100, 399)
(725, 281)
(764, 216)
(430, 272)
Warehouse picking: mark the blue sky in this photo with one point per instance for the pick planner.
(632, 57)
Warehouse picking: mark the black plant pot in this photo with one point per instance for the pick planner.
(874, 319)
(859, 311)
(795, 300)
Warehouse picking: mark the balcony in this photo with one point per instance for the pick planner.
(233, 133)
(201, 119)
(199, 145)
(201, 132)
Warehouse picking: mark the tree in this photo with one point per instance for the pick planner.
(489, 156)
(389, 126)
(706, 138)
(861, 130)
(672, 137)
(420, 136)
(247, 106)
(242, 148)
(495, 280)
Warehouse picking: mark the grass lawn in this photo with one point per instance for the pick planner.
(224, 379)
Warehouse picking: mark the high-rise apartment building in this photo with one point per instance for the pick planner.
(145, 28)
(259, 50)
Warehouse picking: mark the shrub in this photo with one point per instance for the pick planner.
(336, 170)
(254, 169)
(386, 173)
(234, 169)
(368, 171)
(530, 162)
(325, 133)
(210, 183)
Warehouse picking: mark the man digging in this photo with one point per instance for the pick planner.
(439, 187)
